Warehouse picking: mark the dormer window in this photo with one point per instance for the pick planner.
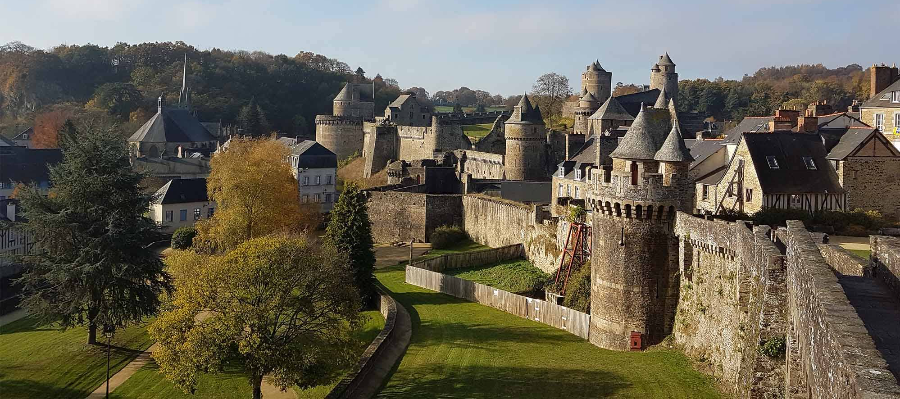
(577, 174)
(562, 171)
(810, 164)
(895, 96)
(773, 163)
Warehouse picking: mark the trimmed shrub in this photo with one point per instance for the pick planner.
(446, 236)
(183, 238)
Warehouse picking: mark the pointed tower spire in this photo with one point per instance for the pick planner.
(638, 142)
(184, 100)
(673, 149)
(661, 101)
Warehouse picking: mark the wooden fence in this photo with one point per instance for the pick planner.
(470, 259)
(545, 312)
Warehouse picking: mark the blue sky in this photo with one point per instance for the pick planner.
(498, 46)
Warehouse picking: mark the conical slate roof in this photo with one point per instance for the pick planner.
(346, 94)
(595, 66)
(661, 101)
(612, 110)
(525, 104)
(673, 149)
(525, 112)
(588, 97)
(638, 142)
(665, 60)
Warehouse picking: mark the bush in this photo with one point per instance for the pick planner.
(578, 291)
(576, 214)
(446, 236)
(778, 217)
(773, 348)
(183, 238)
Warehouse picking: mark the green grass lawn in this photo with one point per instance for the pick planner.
(462, 349)
(477, 132)
(460, 247)
(862, 253)
(516, 276)
(230, 383)
(42, 361)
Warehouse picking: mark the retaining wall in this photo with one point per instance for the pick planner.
(885, 261)
(471, 259)
(830, 354)
(399, 216)
(561, 317)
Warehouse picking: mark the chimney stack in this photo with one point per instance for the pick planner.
(808, 124)
(11, 210)
(882, 76)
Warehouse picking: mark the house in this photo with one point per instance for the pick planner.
(23, 139)
(868, 168)
(882, 110)
(408, 110)
(14, 241)
(21, 165)
(315, 168)
(781, 169)
(180, 203)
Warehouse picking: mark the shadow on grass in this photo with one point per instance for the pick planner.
(438, 381)
(14, 389)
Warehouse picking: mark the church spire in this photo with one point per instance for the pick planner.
(184, 99)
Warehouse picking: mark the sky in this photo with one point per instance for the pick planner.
(500, 46)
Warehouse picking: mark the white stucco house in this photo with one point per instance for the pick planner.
(181, 202)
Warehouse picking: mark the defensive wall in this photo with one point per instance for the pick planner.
(383, 141)
(885, 261)
(401, 216)
(843, 261)
(341, 135)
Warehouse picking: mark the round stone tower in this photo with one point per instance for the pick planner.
(587, 105)
(597, 81)
(663, 75)
(342, 132)
(526, 138)
(634, 264)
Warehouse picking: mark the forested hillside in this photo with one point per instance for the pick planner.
(124, 81)
(770, 88)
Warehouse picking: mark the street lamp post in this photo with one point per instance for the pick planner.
(108, 331)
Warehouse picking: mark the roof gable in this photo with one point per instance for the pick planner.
(791, 155)
(172, 125)
(181, 191)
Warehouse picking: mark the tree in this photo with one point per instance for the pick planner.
(253, 120)
(457, 108)
(91, 265)
(550, 91)
(255, 192)
(47, 126)
(118, 99)
(350, 232)
(360, 72)
(279, 306)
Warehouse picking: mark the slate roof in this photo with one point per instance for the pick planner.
(588, 97)
(665, 60)
(702, 149)
(662, 100)
(25, 134)
(180, 191)
(398, 102)
(313, 155)
(346, 94)
(639, 142)
(612, 109)
(596, 66)
(673, 149)
(748, 124)
(172, 125)
(5, 142)
(851, 141)
(883, 99)
(792, 175)
(839, 120)
(27, 165)
(632, 102)
(526, 113)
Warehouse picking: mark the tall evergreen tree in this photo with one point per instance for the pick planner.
(91, 264)
(253, 120)
(350, 232)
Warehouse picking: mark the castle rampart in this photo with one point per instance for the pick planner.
(885, 261)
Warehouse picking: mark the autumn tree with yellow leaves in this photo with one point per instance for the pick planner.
(277, 306)
(256, 195)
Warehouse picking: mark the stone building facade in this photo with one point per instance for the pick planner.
(342, 132)
(882, 110)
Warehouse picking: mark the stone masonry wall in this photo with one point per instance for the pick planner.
(872, 183)
(844, 261)
(885, 261)
(397, 216)
(731, 298)
(830, 354)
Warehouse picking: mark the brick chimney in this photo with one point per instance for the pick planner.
(854, 107)
(808, 124)
(781, 123)
(882, 77)
(819, 108)
(790, 114)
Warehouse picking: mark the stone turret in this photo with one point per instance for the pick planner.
(634, 284)
(587, 105)
(342, 132)
(663, 76)
(526, 138)
(597, 81)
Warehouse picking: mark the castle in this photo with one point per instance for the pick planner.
(342, 131)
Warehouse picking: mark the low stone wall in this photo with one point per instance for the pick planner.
(885, 261)
(843, 261)
(830, 354)
(471, 259)
(561, 317)
(370, 372)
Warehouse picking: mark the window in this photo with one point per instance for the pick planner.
(634, 174)
(810, 164)
(182, 215)
(577, 195)
(577, 174)
(559, 191)
(305, 199)
(316, 198)
(169, 215)
(895, 98)
(327, 198)
(328, 179)
(568, 190)
(749, 196)
(897, 122)
(209, 213)
(196, 213)
(305, 180)
(796, 201)
(773, 163)
(561, 172)
(879, 122)
(318, 180)
(706, 191)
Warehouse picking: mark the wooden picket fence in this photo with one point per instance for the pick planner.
(554, 315)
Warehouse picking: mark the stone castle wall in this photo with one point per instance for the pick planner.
(830, 354)
(484, 165)
(342, 136)
(398, 216)
(844, 261)
(885, 261)
(872, 183)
